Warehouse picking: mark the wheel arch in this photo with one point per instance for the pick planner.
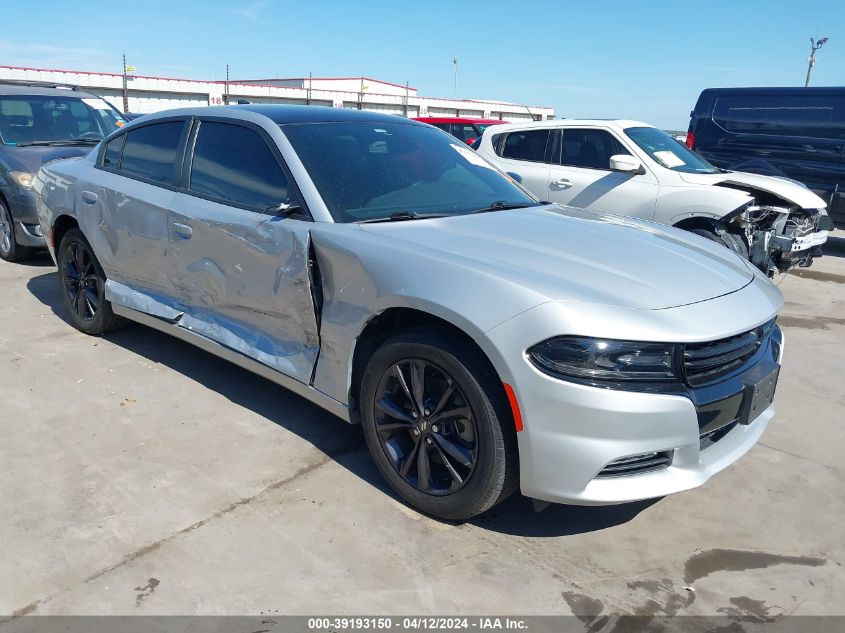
(698, 222)
(61, 225)
(397, 319)
(706, 202)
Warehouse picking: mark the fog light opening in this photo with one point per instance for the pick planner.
(636, 464)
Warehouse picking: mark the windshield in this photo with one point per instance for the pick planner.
(368, 171)
(32, 118)
(668, 151)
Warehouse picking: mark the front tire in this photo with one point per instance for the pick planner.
(437, 424)
(726, 239)
(10, 250)
(82, 285)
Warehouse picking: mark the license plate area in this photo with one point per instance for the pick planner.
(760, 385)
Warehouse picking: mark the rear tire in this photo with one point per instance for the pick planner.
(10, 250)
(441, 434)
(82, 284)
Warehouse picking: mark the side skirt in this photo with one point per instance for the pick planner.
(306, 391)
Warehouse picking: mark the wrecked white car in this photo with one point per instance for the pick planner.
(631, 168)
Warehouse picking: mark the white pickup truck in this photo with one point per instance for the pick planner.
(632, 168)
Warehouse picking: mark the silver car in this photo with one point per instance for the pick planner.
(386, 272)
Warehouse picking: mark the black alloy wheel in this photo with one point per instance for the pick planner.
(426, 426)
(83, 285)
(81, 281)
(438, 423)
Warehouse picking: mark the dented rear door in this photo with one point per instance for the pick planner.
(242, 273)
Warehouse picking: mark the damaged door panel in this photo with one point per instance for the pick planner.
(148, 302)
(243, 280)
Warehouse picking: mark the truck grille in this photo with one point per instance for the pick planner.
(705, 363)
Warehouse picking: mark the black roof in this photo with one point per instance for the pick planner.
(783, 90)
(12, 87)
(283, 114)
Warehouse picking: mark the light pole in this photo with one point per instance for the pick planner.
(814, 46)
(226, 87)
(125, 87)
(126, 71)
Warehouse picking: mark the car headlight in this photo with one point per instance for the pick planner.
(605, 359)
(23, 179)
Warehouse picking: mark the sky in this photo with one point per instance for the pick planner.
(645, 60)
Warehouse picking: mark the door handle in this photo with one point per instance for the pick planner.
(89, 197)
(182, 230)
(562, 183)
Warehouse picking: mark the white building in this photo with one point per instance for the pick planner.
(150, 94)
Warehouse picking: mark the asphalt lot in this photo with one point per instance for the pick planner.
(140, 475)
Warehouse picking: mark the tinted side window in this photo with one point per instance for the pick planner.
(526, 145)
(234, 164)
(150, 151)
(791, 115)
(589, 148)
(111, 157)
(464, 132)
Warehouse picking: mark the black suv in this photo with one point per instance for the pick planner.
(40, 123)
(798, 133)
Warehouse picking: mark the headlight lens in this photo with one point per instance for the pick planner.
(604, 359)
(23, 179)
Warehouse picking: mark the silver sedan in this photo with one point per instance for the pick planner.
(377, 267)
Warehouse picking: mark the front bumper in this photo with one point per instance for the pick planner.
(25, 219)
(567, 458)
(573, 431)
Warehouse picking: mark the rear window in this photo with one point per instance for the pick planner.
(150, 151)
(526, 145)
(792, 115)
(465, 131)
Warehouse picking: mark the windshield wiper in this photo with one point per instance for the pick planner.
(401, 216)
(501, 205)
(69, 141)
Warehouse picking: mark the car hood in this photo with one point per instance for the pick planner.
(780, 187)
(564, 253)
(30, 159)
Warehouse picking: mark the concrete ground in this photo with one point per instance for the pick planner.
(142, 476)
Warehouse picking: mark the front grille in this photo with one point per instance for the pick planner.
(636, 464)
(705, 363)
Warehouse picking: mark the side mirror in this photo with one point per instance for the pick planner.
(515, 176)
(284, 209)
(626, 164)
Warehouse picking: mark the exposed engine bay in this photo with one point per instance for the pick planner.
(775, 234)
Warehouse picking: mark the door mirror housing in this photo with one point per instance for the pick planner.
(626, 164)
(284, 209)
